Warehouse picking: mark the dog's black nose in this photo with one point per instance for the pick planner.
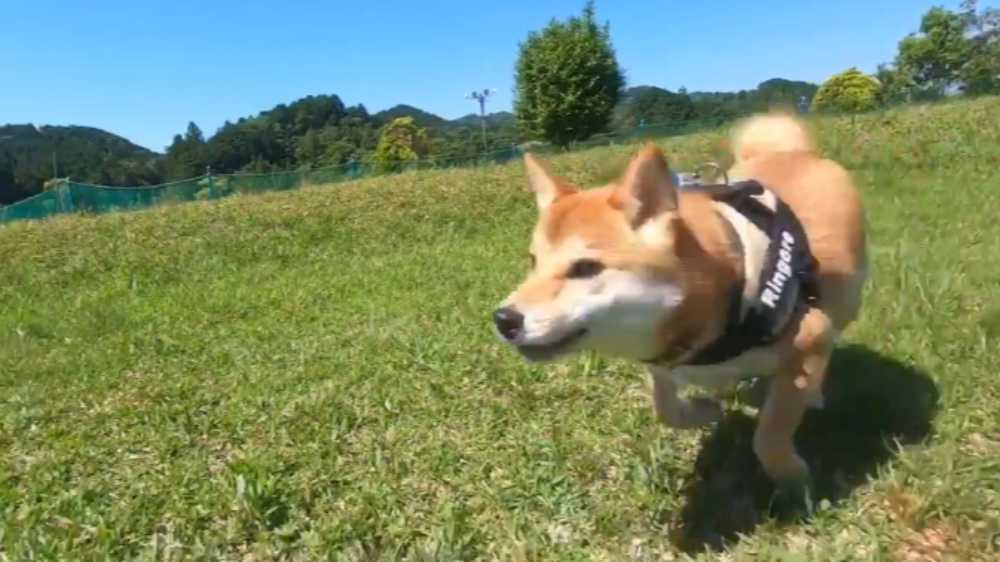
(509, 322)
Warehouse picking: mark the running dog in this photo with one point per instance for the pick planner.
(706, 287)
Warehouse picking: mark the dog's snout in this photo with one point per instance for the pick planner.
(509, 322)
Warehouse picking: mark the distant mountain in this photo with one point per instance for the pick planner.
(631, 93)
(94, 138)
(421, 117)
(432, 121)
(30, 155)
(498, 119)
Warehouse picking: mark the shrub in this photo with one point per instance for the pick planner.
(850, 91)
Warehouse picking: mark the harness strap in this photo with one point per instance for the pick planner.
(681, 351)
(788, 261)
(741, 197)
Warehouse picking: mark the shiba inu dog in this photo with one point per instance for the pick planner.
(705, 287)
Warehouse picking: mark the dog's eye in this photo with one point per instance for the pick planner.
(581, 269)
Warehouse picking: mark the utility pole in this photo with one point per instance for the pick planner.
(481, 97)
(55, 165)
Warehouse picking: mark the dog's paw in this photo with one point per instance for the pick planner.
(793, 499)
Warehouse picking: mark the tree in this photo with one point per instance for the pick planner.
(193, 134)
(309, 149)
(401, 141)
(656, 106)
(188, 155)
(935, 54)
(567, 80)
(850, 91)
(9, 191)
(895, 84)
(981, 72)
(779, 92)
(953, 50)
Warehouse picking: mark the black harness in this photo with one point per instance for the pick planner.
(787, 286)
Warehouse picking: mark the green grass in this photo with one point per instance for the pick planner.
(311, 375)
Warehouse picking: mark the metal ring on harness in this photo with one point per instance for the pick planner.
(719, 170)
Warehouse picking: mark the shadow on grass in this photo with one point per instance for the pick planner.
(872, 402)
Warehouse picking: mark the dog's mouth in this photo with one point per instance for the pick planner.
(552, 349)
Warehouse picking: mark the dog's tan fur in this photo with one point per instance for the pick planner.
(668, 270)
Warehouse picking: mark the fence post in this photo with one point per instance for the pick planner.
(638, 129)
(352, 166)
(67, 196)
(211, 184)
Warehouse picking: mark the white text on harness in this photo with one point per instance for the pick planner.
(782, 272)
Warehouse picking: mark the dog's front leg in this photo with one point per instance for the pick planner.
(677, 411)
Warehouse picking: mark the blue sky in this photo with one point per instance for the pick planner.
(143, 69)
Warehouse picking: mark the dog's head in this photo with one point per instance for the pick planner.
(608, 266)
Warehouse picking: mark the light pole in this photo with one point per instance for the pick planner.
(481, 97)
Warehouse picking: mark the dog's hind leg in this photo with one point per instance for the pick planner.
(777, 421)
(790, 392)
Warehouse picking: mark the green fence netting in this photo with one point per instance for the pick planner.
(37, 206)
(73, 196)
(80, 197)
(103, 199)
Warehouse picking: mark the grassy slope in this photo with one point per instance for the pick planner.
(309, 373)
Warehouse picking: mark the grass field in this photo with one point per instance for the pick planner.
(311, 375)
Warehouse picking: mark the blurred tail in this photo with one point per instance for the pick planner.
(769, 134)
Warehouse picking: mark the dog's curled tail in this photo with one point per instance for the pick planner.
(769, 134)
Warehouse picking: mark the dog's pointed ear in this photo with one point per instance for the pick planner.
(647, 188)
(547, 187)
